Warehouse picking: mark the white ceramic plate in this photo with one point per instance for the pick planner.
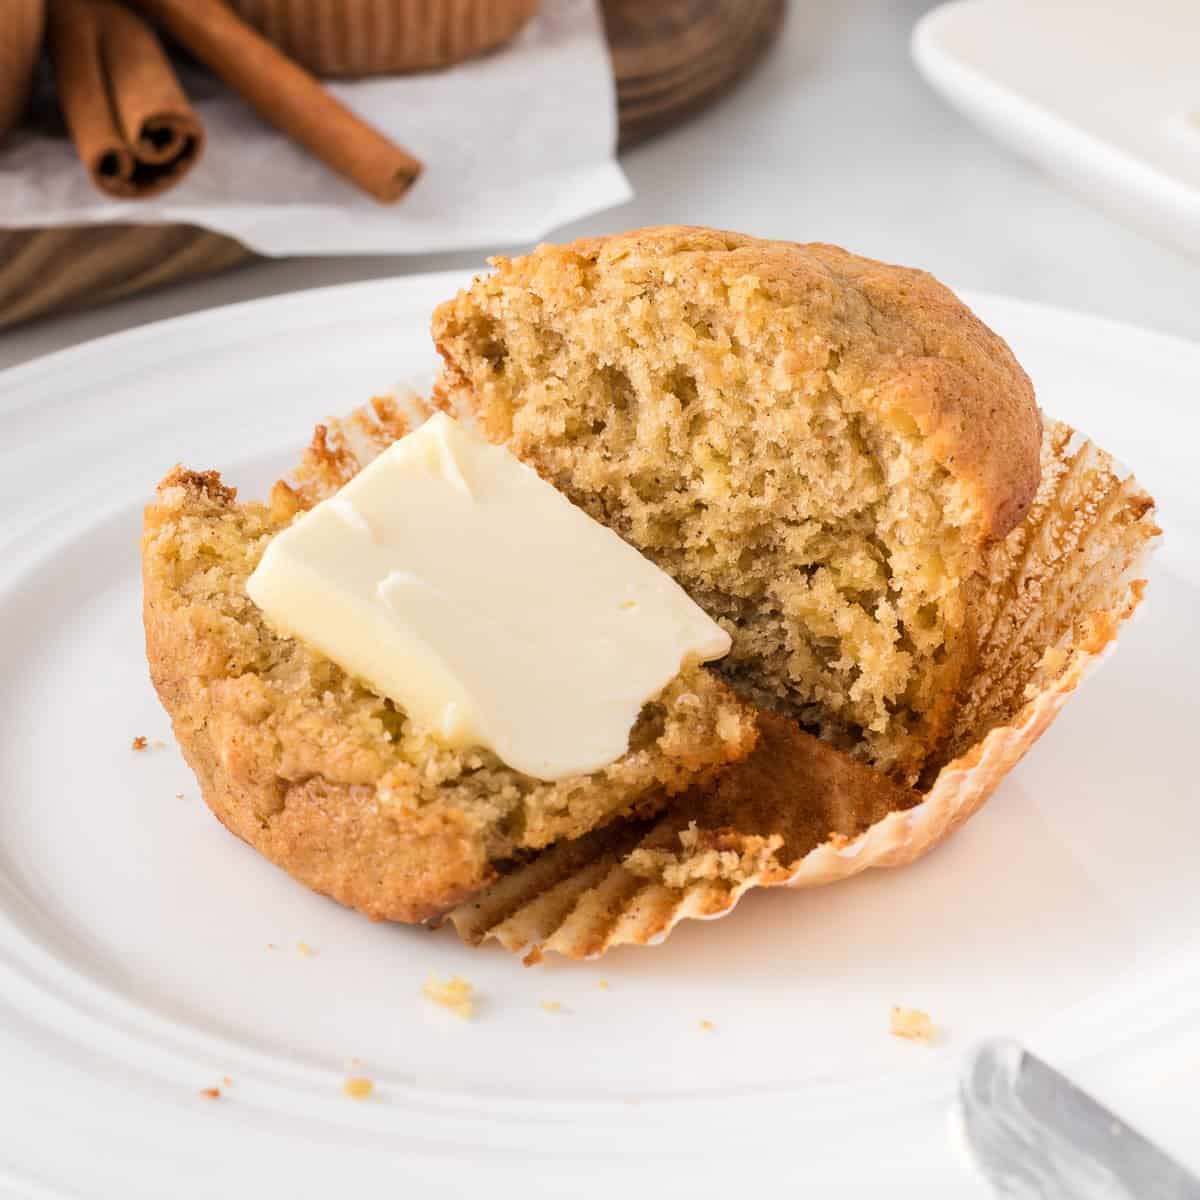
(134, 960)
(1102, 94)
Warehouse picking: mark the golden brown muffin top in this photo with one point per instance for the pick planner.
(891, 333)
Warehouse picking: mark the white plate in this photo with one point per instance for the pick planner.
(1103, 94)
(134, 931)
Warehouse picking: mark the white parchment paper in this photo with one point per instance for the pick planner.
(514, 144)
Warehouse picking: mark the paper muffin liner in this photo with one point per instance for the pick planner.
(1060, 588)
(384, 37)
(342, 446)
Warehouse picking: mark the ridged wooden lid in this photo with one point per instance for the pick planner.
(20, 45)
(378, 37)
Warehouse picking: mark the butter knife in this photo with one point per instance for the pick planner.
(1033, 1134)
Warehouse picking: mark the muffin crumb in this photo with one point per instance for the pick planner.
(358, 1087)
(211, 1093)
(454, 993)
(707, 1026)
(912, 1023)
(552, 1006)
(305, 950)
(139, 743)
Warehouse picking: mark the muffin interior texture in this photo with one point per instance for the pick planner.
(739, 436)
(271, 715)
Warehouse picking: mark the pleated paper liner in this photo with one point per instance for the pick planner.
(376, 37)
(341, 447)
(797, 813)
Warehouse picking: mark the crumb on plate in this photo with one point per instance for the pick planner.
(911, 1023)
(454, 994)
(358, 1087)
(707, 1026)
(211, 1093)
(552, 1006)
(138, 743)
(305, 949)
(602, 983)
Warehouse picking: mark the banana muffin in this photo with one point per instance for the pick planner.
(818, 447)
(328, 779)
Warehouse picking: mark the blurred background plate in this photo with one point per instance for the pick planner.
(1105, 96)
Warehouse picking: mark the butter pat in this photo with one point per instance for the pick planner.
(450, 578)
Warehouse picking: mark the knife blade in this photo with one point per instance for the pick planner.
(1034, 1134)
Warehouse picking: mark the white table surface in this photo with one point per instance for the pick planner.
(835, 138)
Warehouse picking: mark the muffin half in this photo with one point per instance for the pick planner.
(328, 779)
(820, 448)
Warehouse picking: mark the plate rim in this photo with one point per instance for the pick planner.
(45, 366)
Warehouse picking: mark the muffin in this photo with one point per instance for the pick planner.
(385, 37)
(331, 781)
(820, 448)
(832, 456)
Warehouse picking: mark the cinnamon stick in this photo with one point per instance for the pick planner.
(132, 125)
(286, 95)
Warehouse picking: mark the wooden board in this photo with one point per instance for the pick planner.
(670, 59)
